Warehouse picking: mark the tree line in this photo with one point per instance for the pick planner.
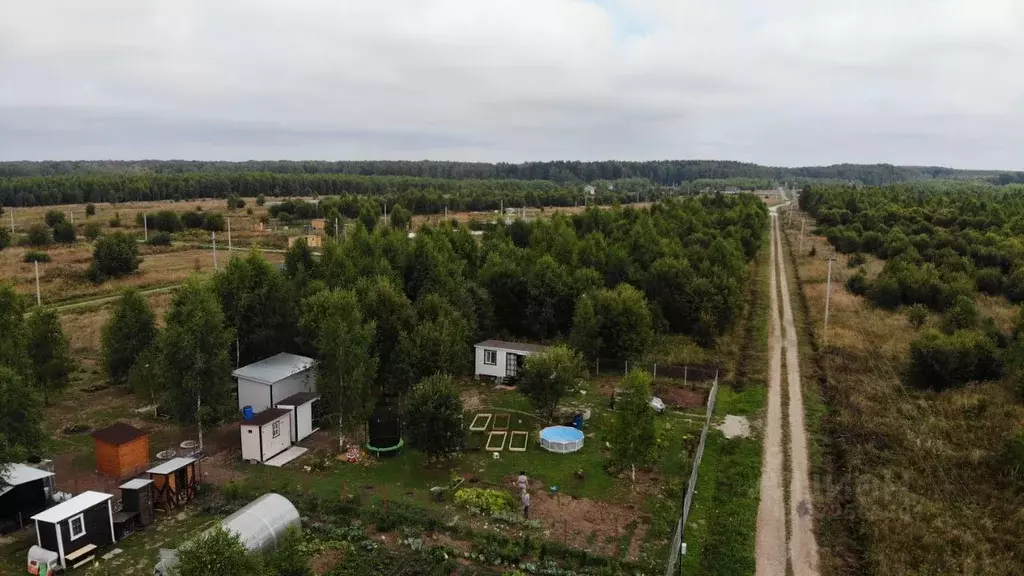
(942, 245)
(661, 172)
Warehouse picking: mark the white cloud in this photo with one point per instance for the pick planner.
(783, 82)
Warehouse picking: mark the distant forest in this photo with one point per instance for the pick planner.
(57, 182)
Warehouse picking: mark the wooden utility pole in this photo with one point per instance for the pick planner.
(828, 295)
(145, 227)
(802, 220)
(229, 235)
(214, 235)
(39, 299)
(336, 231)
(12, 219)
(385, 215)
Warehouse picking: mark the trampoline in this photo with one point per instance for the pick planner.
(385, 431)
(561, 439)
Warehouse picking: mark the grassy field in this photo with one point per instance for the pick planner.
(906, 482)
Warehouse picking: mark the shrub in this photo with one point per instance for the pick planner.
(917, 315)
(884, 292)
(165, 221)
(193, 220)
(114, 255)
(858, 283)
(5, 238)
(64, 233)
(92, 230)
(38, 235)
(115, 222)
(941, 361)
(960, 316)
(233, 201)
(989, 280)
(261, 200)
(159, 239)
(856, 260)
(90, 209)
(214, 222)
(433, 417)
(239, 203)
(486, 500)
(54, 217)
(36, 256)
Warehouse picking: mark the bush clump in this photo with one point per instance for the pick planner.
(35, 256)
(941, 361)
(485, 500)
(159, 239)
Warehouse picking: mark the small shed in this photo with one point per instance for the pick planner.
(499, 359)
(266, 435)
(137, 497)
(303, 407)
(122, 450)
(26, 491)
(175, 483)
(263, 384)
(76, 528)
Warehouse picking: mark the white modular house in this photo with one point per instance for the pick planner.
(303, 409)
(265, 383)
(501, 360)
(266, 434)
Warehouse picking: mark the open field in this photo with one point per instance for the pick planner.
(907, 481)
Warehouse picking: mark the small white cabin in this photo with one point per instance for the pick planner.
(501, 360)
(302, 411)
(266, 434)
(265, 383)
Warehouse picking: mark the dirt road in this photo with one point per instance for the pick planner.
(771, 528)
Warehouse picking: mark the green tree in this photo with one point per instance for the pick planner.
(333, 322)
(114, 255)
(400, 218)
(38, 235)
(634, 422)
(92, 231)
(21, 412)
(940, 361)
(261, 200)
(233, 201)
(437, 343)
(54, 217)
(433, 417)
(917, 315)
(48, 350)
(220, 552)
(368, 216)
(961, 316)
(64, 233)
(626, 326)
(194, 346)
(214, 222)
(130, 330)
(549, 375)
(586, 330)
(90, 209)
(5, 238)
(387, 306)
(13, 337)
(258, 305)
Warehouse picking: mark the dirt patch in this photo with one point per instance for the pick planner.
(682, 397)
(472, 400)
(735, 426)
(327, 560)
(596, 526)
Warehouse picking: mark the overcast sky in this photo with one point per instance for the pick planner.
(781, 82)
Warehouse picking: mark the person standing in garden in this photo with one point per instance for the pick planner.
(526, 504)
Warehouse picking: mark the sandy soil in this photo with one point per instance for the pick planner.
(771, 519)
(803, 545)
(735, 426)
(586, 524)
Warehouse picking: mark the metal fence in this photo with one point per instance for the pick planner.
(677, 540)
(688, 374)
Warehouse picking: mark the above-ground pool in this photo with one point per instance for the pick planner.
(561, 439)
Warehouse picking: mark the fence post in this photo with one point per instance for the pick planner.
(626, 371)
(655, 370)
(684, 375)
(598, 369)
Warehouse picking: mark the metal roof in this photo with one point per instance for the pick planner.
(517, 346)
(265, 417)
(299, 399)
(69, 508)
(18, 474)
(136, 484)
(171, 465)
(118, 434)
(274, 369)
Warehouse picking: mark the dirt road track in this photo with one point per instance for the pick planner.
(771, 519)
(771, 526)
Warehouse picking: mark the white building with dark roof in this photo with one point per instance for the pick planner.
(499, 359)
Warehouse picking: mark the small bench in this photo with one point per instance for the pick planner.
(79, 554)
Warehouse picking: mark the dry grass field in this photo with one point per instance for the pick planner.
(908, 482)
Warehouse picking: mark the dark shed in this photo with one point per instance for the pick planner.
(75, 529)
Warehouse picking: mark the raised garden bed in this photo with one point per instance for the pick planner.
(480, 423)
(496, 441)
(518, 441)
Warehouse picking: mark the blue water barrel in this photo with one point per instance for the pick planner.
(247, 413)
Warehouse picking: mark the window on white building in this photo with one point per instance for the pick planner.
(275, 429)
(491, 357)
(77, 526)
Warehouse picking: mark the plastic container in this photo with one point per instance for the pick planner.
(247, 413)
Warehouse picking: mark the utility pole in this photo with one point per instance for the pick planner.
(145, 227)
(385, 215)
(214, 234)
(72, 212)
(445, 212)
(12, 219)
(39, 300)
(229, 235)
(828, 295)
(336, 232)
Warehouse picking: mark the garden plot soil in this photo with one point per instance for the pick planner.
(586, 524)
(683, 397)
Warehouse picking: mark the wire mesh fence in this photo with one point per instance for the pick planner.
(687, 374)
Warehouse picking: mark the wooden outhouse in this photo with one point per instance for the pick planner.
(122, 450)
(175, 483)
(137, 497)
(76, 528)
